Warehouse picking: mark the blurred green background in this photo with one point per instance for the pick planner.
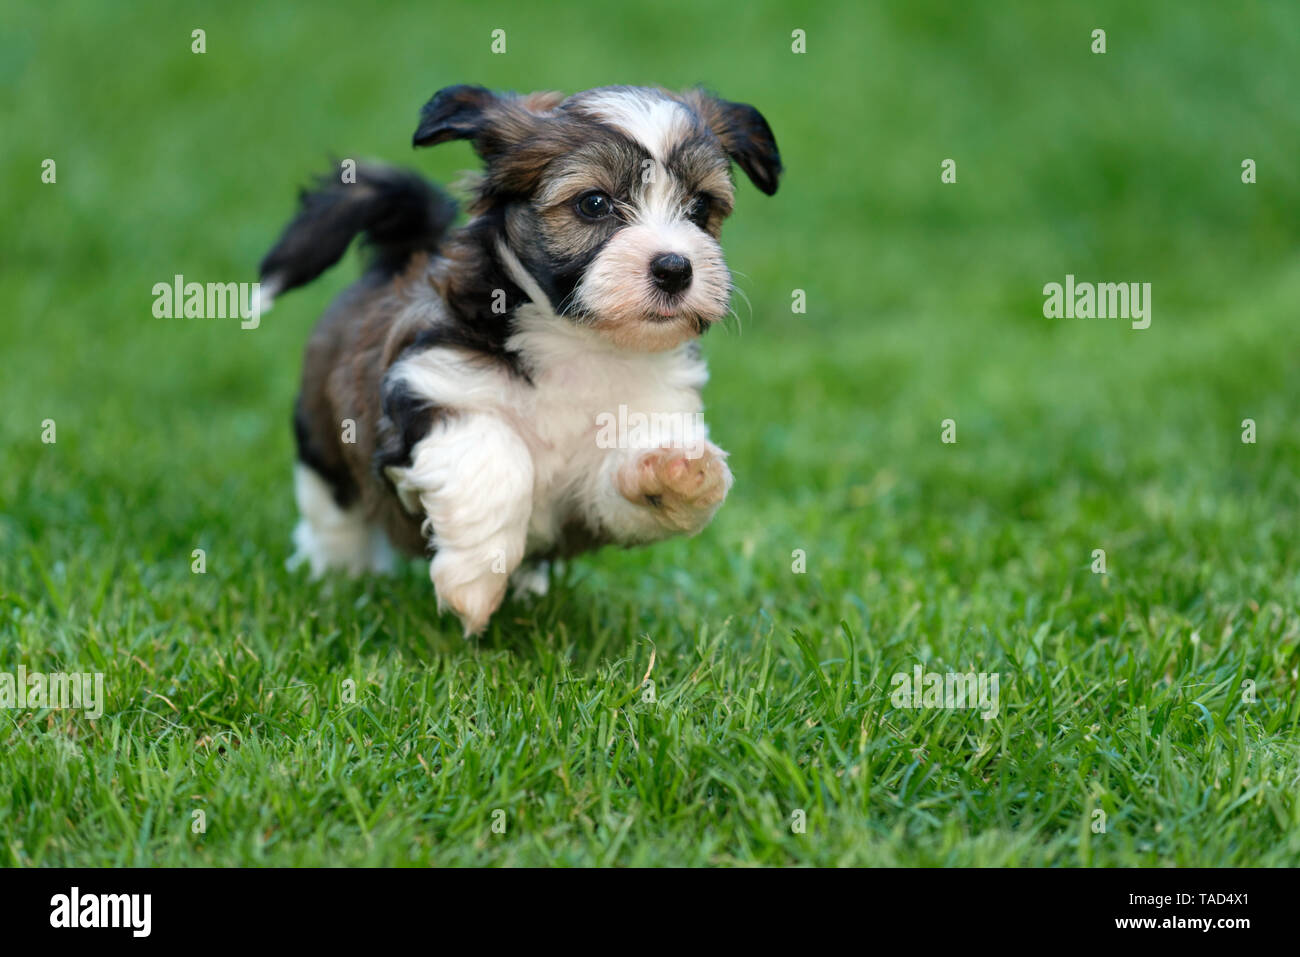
(924, 303)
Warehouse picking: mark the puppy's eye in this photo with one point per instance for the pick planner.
(595, 206)
(698, 210)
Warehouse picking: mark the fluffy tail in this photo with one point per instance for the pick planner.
(399, 212)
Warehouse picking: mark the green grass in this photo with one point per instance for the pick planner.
(1121, 692)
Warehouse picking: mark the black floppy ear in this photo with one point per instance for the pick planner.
(454, 113)
(744, 134)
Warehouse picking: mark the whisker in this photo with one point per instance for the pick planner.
(569, 299)
(736, 313)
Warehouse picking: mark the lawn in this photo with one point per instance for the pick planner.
(1148, 715)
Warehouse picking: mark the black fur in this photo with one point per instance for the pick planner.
(482, 298)
(406, 420)
(398, 212)
(751, 144)
(454, 113)
(331, 469)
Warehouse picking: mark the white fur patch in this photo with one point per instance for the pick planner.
(474, 479)
(655, 121)
(328, 538)
(617, 285)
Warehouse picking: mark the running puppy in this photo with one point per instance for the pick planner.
(452, 398)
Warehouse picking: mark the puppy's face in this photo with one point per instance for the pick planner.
(613, 199)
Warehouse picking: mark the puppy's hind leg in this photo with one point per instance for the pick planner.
(330, 537)
(473, 477)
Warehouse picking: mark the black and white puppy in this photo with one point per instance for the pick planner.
(451, 398)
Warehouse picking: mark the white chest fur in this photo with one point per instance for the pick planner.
(576, 381)
(575, 413)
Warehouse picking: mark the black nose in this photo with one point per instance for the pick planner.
(671, 272)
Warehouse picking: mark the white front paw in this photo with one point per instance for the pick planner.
(472, 584)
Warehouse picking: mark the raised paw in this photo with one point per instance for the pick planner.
(684, 492)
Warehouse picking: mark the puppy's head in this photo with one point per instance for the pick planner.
(613, 199)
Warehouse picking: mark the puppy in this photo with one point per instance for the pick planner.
(456, 399)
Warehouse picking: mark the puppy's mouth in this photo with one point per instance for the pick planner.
(664, 309)
(678, 315)
(665, 313)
